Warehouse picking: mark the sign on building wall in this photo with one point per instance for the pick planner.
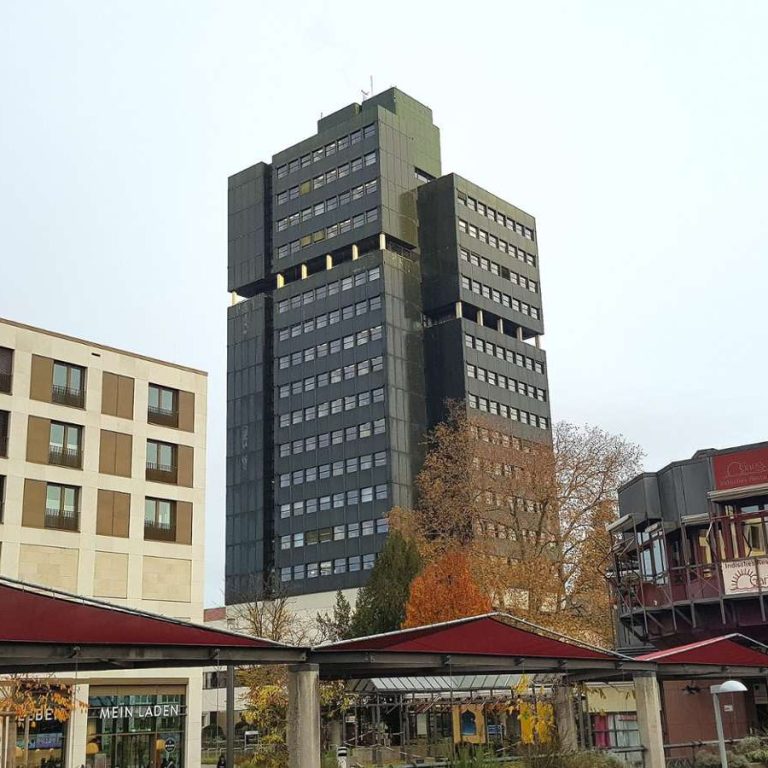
(735, 470)
(745, 577)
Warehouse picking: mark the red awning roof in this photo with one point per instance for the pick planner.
(494, 634)
(43, 629)
(34, 616)
(732, 650)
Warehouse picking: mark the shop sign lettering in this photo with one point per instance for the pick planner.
(139, 710)
(744, 577)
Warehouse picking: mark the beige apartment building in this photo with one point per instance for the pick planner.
(102, 494)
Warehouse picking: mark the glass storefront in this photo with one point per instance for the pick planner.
(46, 745)
(136, 729)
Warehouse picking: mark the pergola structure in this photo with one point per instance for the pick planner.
(46, 631)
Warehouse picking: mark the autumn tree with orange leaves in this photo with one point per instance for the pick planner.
(445, 590)
(530, 518)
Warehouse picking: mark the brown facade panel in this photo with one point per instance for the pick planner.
(109, 393)
(115, 453)
(183, 522)
(117, 395)
(187, 411)
(123, 454)
(125, 388)
(33, 506)
(38, 439)
(112, 513)
(122, 514)
(107, 452)
(41, 379)
(186, 461)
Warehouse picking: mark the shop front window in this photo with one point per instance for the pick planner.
(141, 730)
(42, 740)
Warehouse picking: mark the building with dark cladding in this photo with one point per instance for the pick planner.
(689, 548)
(366, 290)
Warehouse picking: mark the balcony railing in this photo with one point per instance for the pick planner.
(162, 417)
(161, 473)
(691, 583)
(5, 382)
(65, 457)
(159, 531)
(67, 396)
(63, 521)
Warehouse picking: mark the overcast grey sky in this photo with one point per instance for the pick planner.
(634, 132)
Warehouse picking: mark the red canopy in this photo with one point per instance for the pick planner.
(487, 635)
(732, 650)
(42, 627)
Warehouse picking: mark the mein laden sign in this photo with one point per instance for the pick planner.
(139, 710)
(745, 577)
(736, 470)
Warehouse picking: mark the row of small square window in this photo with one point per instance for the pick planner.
(326, 151)
(488, 529)
(494, 215)
(496, 269)
(337, 533)
(366, 495)
(499, 380)
(332, 407)
(329, 289)
(333, 469)
(326, 233)
(500, 298)
(506, 411)
(331, 347)
(330, 318)
(498, 438)
(516, 504)
(337, 436)
(497, 242)
(327, 567)
(329, 204)
(495, 350)
(337, 375)
(309, 444)
(334, 174)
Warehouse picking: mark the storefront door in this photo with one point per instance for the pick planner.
(133, 750)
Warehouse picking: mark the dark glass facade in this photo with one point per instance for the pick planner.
(349, 258)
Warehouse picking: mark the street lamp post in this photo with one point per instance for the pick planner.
(729, 686)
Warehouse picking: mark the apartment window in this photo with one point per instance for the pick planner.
(61, 507)
(368, 562)
(6, 369)
(161, 462)
(159, 520)
(64, 447)
(325, 568)
(68, 384)
(5, 418)
(2, 497)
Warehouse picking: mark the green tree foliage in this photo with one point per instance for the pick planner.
(381, 602)
(336, 626)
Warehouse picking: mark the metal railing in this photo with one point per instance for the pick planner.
(678, 584)
(159, 531)
(161, 473)
(163, 417)
(67, 396)
(62, 521)
(65, 457)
